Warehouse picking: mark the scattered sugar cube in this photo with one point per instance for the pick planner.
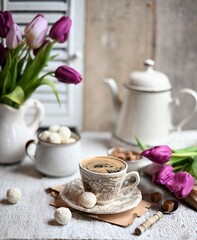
(168, 205)
(62, 215)
(13, 195)
(156, 197)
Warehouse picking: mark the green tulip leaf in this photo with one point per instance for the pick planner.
(29, 59)
(16, 96)
(40, 82)
(185, 150)
(5, 71)
(7, 86)
(194, 167)
(140, 144)
(16, 51)
(53, 57)
(35, 66)
(179, 160)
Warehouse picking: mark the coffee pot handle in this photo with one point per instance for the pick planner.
(27, 145)
(39, 114)
(128, 182)
(192, 93)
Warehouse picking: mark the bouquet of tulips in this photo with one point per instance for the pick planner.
(22, 59)
(178, 168)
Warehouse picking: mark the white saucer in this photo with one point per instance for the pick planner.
(126, 201)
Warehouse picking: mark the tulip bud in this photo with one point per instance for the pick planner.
(181, 184)
(158, 154)
(60, 30)
(68, 75)
(14, 37)
(35, 31)
(163, 175)
(6, 21)
(3, 55)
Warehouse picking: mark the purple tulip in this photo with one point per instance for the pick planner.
(181, 184)
(68, 75)
(14, 37)
(158, 154)
(60, 30)
(35, 31)
(163, 175)
(6, 21)
(3, 55)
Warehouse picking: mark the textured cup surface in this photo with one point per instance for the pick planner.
(106, 185)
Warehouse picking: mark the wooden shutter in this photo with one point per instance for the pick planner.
(69, 53)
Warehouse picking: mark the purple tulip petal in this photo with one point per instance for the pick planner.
(35, 31)
(6, 21)
(60, 30)
(68, 75)
(14, 37)
(181, 184)
(158, 154)
(164, 175)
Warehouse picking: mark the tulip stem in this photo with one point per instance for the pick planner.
(184, 154)
(177, 168)
(49, 73)
(23, 50)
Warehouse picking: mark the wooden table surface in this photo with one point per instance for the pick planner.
(32, 217)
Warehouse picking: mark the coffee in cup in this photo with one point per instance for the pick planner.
(103, 165)
(106, 176)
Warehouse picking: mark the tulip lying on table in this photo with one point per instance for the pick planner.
(178, 167)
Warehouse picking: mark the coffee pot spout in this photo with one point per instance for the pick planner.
(115, 100)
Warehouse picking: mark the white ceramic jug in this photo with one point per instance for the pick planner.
(146, 111)
(14, 131)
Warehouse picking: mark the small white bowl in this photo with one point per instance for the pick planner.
(133, 165)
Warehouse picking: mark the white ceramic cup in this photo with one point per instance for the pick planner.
(107, 186)
(55, 160)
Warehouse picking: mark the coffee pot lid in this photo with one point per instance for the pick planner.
(149, 80)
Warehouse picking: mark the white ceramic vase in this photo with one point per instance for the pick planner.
(15, 132)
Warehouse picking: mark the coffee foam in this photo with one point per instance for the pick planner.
(103, 165)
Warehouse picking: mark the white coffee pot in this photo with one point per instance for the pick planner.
(146, 110)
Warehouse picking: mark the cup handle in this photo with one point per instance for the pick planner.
(127, 183)
(176, 100)
(27, 145)
(39, 115)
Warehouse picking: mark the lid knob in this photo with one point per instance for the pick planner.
(149, 80)
(149, 63)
